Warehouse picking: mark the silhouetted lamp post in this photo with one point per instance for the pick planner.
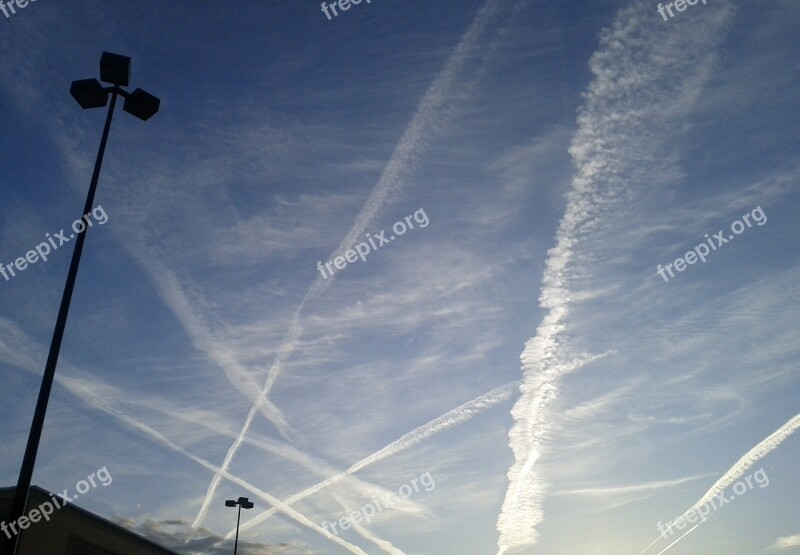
(243, 503)
(89, 93)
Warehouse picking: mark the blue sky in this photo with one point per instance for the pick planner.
(518, 346)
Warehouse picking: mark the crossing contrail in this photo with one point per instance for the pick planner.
(412, 144)
(274, 501)
(105, 398)
(451, 418)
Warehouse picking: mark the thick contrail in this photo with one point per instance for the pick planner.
(412, 144)
(737, 471)
(632, 103)
(452, 418)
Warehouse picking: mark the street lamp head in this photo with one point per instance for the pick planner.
(243, 502)
(141, 104)
(89, 93)
(115, 69)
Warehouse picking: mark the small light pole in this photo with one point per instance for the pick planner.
(89, 93)
(243, 503)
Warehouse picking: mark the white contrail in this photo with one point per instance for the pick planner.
(632, 103)
(102, 403)
(384, 545)
(286, 349)
(17, 349)
(538, 393)
(636, 488)
(105, 398)
(689, 531)
(402, 161)
(176, 298)
(281, 449)
(452, 418)
(738, 469)
(274, 501)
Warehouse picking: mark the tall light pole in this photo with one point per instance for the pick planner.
(89, 93)
(243, 503)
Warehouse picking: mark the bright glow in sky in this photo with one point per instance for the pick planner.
(568, 317)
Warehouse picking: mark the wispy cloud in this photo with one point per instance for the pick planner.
(161, 439)
(411, 146)
(181, 537)
(787, 542)
(635, 488)
(99, 400)
(451, 418)
(636, 90)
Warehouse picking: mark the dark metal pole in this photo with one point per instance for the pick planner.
(29, 460)
(236, 543)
